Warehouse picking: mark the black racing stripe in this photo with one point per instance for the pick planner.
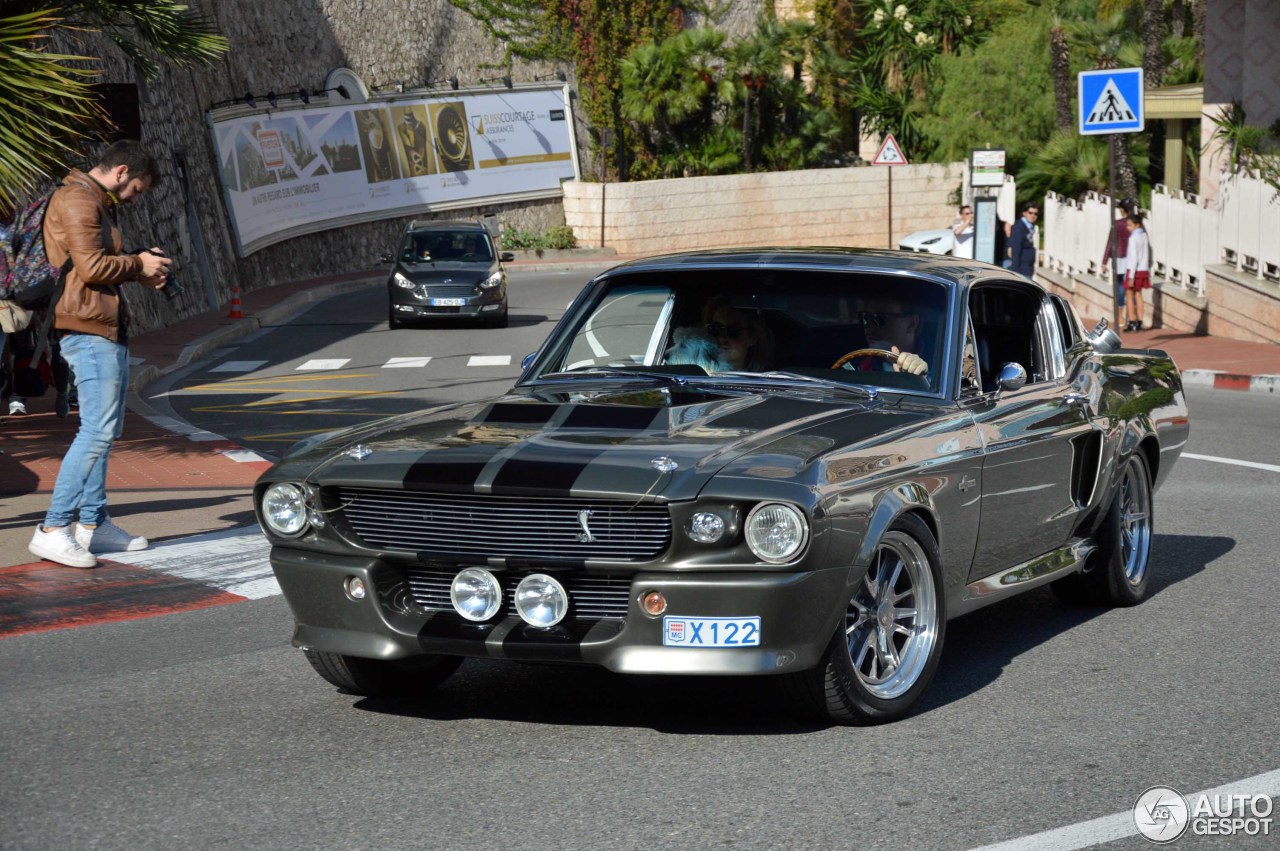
(455, 469)
(533, 470)
(517, 413)
(615, 416)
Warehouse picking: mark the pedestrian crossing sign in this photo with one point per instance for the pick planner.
(1110, 101)
(890, 153)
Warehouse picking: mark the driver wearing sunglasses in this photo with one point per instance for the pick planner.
(891, 328)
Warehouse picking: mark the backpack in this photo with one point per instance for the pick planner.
(27, 278)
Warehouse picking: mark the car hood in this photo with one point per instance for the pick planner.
(618, 442)
(445, 271)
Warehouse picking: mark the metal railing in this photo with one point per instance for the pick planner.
(1187, 233)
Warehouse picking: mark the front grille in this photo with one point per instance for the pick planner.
(450, 291)
(590, 597)
(428, 308)
(506, 527)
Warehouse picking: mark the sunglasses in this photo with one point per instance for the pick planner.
(880, 318)
(728, 332)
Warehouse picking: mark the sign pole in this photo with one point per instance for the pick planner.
(890, 208)
(1113, 236)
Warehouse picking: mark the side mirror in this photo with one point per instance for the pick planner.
(506, 257)
(528, 359)
(1012, 376)
(1103, 339)
(386, 258)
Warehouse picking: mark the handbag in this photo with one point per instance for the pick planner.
(30, 382)
(13, 317)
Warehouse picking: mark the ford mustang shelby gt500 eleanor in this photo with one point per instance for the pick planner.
(795, 463)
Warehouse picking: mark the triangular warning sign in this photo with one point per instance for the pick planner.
(1110, 107)
(889, 153)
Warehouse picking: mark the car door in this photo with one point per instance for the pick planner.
(1035, 437)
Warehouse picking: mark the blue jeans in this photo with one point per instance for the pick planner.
(102, 378)
(1119, 276)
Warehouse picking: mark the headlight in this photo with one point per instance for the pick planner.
(493, 280)
(284, 508)
(402, 281)
(541, 601)
(705, 527)
(776, 532)
(476, 594)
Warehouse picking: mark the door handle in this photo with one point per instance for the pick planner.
(1073, 400)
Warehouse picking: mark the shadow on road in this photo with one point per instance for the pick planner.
(979, 647)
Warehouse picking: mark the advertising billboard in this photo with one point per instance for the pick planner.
(292, 171)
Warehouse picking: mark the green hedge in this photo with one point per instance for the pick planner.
(515, 239)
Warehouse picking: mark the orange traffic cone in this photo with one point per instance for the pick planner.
(235, 304)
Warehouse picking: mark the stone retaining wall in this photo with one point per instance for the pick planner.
(841, 206)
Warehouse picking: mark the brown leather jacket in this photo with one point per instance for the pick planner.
(78, 226)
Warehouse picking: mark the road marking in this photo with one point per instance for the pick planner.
(1274, 468)
(1121, 825)
(237, 561)
(239, 366)
(324, 363)
(489, 360)
(244, 456)
(406, 362)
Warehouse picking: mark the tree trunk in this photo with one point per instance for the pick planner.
(1126, 174)
(1199, 19)
(1060, 62)
(1152, 42)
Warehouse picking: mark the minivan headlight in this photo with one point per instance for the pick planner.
(493, 280)
(402, 281)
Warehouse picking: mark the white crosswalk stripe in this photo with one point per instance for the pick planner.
(324, 363)
(489, 360)
(234, 560)
(406, 362)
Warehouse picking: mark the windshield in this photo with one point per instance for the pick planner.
(774, 323)
(459, 246)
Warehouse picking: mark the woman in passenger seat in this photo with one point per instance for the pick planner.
(730, 340)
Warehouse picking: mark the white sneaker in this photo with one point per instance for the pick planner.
(61, 546)
(107, 537)
(17, 408)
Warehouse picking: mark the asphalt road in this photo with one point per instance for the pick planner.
(207, 730)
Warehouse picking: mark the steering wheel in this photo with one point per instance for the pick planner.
(891, 357)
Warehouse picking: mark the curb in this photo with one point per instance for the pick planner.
(1222, 380)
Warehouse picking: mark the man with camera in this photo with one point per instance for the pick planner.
(92, 320)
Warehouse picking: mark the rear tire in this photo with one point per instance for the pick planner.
(403, 679)
(886, 648)
(1119, 575)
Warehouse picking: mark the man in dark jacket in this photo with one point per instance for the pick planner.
(1022, 241)
(92, 319)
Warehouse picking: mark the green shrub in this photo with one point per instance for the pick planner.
(518, 239)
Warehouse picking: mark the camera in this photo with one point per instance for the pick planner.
(172, 289)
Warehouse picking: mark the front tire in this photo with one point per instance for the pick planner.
(403, 679)
(885, 651)
(394, 322)
(1119, 575)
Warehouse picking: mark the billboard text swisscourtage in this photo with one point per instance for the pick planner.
(293, 171)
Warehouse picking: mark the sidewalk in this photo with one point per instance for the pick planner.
(169, 486)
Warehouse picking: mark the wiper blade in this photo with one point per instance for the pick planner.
(664, 377)
(799, 378)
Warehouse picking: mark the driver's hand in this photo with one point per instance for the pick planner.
(909, 362)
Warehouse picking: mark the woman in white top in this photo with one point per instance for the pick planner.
(1137, 271)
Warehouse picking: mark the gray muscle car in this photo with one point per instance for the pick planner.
(795, 463)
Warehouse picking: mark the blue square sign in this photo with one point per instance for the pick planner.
(1111, 101)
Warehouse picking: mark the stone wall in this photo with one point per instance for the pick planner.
(841, 206)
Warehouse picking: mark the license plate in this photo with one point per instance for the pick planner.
(448, 302)
(711, 632)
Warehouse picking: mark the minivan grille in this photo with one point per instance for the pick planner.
(590, 597)
(505, 526)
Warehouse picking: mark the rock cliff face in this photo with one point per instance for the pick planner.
(281, 46)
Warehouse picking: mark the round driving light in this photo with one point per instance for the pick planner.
(355, 588)
(705, 527)
(476, 594)
(284, 509)
(653, 602)
(541, 601)
(776, 532)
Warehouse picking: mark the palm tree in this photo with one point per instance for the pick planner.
(1101, 40)
(50, 107)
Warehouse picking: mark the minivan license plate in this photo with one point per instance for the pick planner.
(710, 632)
(448, 302)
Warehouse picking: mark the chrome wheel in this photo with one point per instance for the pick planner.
(1135, 521)
(892, 622)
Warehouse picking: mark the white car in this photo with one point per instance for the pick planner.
(940, 241)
